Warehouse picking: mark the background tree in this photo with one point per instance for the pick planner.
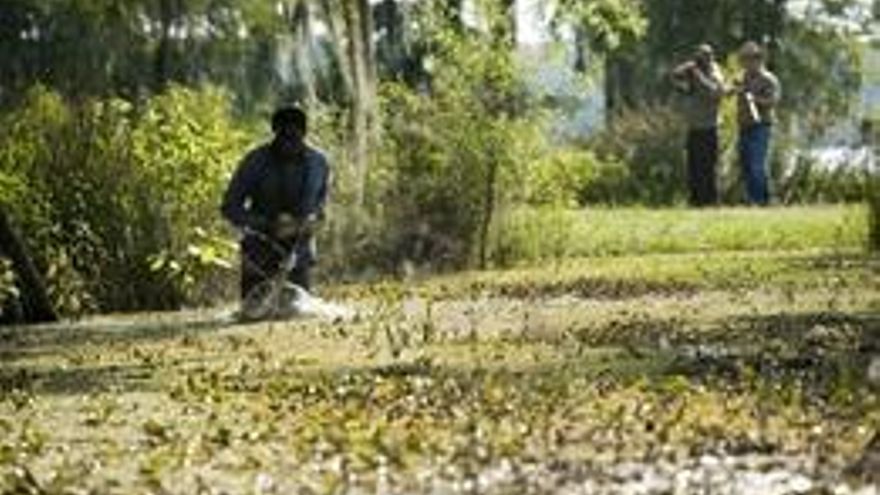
(35, 304)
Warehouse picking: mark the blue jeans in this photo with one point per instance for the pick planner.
(754, 145)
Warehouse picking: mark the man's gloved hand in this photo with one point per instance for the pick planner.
(310, 223)
(287, 226)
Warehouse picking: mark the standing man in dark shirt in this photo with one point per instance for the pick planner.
(701, 84)
(277, 197)
(758, 93)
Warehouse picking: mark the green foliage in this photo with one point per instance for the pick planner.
(808, 181)
(184, 145)
(449, 158)
(829, 59)
(649, 142)
(97, 47)
(111, 188)
(562, 177)
(610, 24)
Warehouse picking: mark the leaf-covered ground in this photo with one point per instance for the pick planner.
(726, 372)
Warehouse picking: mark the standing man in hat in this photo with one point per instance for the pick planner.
(701, 83)
(758, 93)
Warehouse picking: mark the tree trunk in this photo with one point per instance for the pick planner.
(510, 18)
(504, 36)
(620, 91)
(365, 16)
(391, 52)
(302, 32)
(162, 62)
(338, 44)
(581, 45)
(488, 210)
(358, 19)
(611, 88)
(35, 300)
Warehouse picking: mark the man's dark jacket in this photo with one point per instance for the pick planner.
(266, 185)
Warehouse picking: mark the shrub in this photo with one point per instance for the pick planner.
(451, 159)
(809, 181)
(117, 202)
(562, 177)
(648, 143)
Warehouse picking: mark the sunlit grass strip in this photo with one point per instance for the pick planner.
(537, 234)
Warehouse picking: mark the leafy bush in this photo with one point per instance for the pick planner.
(808, 181)
(649, 143)
(564, 176)
(451, 159)
(184, 144)
(117, 202)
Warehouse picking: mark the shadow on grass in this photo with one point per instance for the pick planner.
(17, 343)
(601, 288)
(823, 329)
(75, 380)
(835, 261)
(822, 350)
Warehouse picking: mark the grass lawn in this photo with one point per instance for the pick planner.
(534, 234)
(667, 352)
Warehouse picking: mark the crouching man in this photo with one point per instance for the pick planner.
(276, 198)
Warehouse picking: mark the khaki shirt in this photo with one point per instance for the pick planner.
(701, 98)
(763, 86)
